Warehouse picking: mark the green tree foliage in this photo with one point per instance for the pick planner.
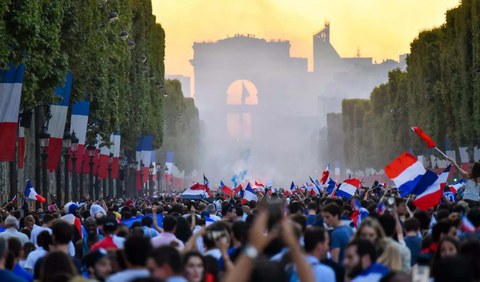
(439, 92)
(123, 79)
(182, 127)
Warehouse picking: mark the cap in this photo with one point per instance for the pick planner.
(70, 207)
(91, 258)
(11, 221)
(110, 222)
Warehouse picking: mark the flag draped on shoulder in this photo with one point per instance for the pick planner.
(11, 81)
(31, 194)
(424, 137)
(405, 171)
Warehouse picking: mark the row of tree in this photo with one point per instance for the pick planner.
(114, 49)
(439, 92)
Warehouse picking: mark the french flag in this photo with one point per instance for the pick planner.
(115, 138)
(330, 185)
(424, 137)
(249, 194)
(79, 122)
(467, 225)
(31, 194)
(348, 188)
(11, 81)
(431, 196)
(258, 186)
(146, 154)
(405, 171)
(104, 162)
(358, 214)
(227, 190)
(21, 147)
(457, 185)
(316, 189)
(198, 186)
(325, 175)
(238, 189)
(56, 125)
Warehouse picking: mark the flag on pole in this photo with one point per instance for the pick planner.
(115, 138)
(21, 147)
(348, 188)
(227, 190)
(424, 137)
(433, 193)
(56, 125)
(316, 189)
(11, 81)
(405, 171)
(238, 189)
(31, 194)
(249, 194)
(78, 124)
(330, 185)
(325, 175)
(457, 185)
(104, 161)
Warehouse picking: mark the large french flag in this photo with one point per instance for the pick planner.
(249, 194)
(115, 138)
(79, 122)
(21, 147)
(405, 171)
(348, 188)
(10, 95)
(146, 154)
(56, 125)
(431, 196)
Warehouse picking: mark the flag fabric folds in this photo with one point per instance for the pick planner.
(433, 193)
(78, 124)
(21, 147)
(330, 185)
(31, 194)
(424, 136)
(249, 194)
(325, 175)
(467, 225)
(227, 190)
(56, 125)
(11, 81)
(348, 188)
(405, 171)
(457, 185)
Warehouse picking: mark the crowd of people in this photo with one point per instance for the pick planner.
(374, 236)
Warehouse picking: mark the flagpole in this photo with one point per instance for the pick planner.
(442, 153)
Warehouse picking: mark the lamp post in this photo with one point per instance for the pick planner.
(141, 178)
(74, 150)
(133, 168)
(67, 144)
(159, 179)
(44, 138)
(91, 154)
(150, 180)
(110, 180)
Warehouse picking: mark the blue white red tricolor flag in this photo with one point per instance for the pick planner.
(11, 82)
(457, 185)
(348, 188)
(405, 171)
(432, 195)
(227, 190)
(31, 194)
(249, 194)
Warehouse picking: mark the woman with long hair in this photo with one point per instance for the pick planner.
(194, 266)
(471, 195)
(371, 230)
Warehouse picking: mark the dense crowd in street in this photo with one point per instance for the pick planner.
(376, 235)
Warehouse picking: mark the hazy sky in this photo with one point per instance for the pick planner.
(380, 28)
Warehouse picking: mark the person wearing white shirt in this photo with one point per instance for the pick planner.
(11, 224)
(44, 239)
(47, 220)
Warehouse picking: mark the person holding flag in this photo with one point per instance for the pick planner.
(471, 195)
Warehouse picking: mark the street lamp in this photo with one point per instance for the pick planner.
(44, 137)
(91, 154)
(74, 150)
(159, 178)
(123, 35)
(110, 181)
(142, 166)
(150, 180)
(133, 167)
(67, 144)
(113, 17)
